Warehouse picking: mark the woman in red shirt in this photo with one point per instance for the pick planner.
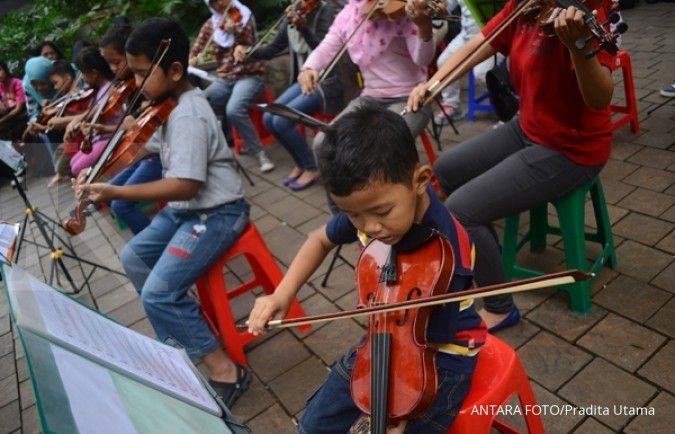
(560, 140)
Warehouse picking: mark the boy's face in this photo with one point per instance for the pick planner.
(159, 84)
(41, 86)
(90, 77)
(62, 83)
(117, 62)
(387, 211)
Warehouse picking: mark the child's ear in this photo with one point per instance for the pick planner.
(422, 178)
(176, 72)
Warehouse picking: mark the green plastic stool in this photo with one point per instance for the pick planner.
(571, 210)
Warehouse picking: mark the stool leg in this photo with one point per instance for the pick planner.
(571, 216)
(510, 245)
(538, 228)
(629, 89)
(603, 224)
(526, 397)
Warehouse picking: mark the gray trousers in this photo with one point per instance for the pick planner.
(416, 121)
(495, 175)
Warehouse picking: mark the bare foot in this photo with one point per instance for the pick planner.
(307, 176)
(56, 179)
(491, 319)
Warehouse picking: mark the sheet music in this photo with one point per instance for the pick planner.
(85, 331)
(10, 156)
(8, 234)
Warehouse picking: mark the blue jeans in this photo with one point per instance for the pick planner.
(167, 257)
(285, 130)
(232, 98)
(331, 409)
(146, 170)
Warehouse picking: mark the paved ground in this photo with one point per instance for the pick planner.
(622, 353)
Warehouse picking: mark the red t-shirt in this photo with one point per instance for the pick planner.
(552, 110)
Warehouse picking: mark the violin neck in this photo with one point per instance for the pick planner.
(379, 381)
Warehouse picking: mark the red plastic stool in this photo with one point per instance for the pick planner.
(499, 375)
(622, 60)
(215, 297)
(257, 118)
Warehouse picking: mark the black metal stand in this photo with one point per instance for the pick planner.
(47, 228)
(243, 171)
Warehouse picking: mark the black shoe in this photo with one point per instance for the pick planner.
(230, 392)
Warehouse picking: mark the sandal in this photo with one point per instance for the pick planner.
(230, 392)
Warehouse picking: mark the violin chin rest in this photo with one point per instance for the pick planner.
(417, 236)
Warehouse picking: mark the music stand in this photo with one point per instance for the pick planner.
(47, 229)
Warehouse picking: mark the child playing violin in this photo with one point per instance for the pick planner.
(560, 141)
(148, 169)
(206, 209)
(300, 35)
(371, 169)
(232, 24)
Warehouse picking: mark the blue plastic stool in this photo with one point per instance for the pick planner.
(477, 104)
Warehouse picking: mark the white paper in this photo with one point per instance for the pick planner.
(10, 156)
(84, 331)
(8, 234)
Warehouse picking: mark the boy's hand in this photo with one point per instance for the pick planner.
(416, 97)
(240, 53)
(308, 80)
(569, 26)
(71, 130)
(266, 308)
(96, 192)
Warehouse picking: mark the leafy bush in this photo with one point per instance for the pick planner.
(64, 21)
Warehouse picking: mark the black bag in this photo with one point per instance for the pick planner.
(502, 94)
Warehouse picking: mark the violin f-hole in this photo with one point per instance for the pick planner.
(415, 292)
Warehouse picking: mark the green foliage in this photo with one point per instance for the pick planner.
(64, 21)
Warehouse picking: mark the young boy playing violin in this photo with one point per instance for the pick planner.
(206, 210)
(148, 169)
(371, 170)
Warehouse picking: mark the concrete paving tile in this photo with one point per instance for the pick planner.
(659, 369)
(30, 421)
(622, 150)
(592, 426)
(617, 170)
(297, 385)
(333, 340)
(9, 390)
(26, 394)
(652, 179)
(272, 195)
(608, 339)
(640, 261)
(10, 417)
(314, 223)
(526, 301)
(145, 328)
(631, 298)
(519, 334)
(554, 315)
(551, 361)
(639, 227)
(666, 279)
(646, 201)
(667, 243)
(4, 321)
(129, 313)
(293, 211)
(273, 420)
(106, 283)
(256, 399)
(116, 298)
(267, 223)
(277, 356)
(6, 344)
(661, 421)
(650, 157)
(616, 190)
(284, 242)
(22, 372)
(7, 367)
(604, 385)
(341, 282)
(663, 319)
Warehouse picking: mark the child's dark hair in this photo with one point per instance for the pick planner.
(90, 59)
(4, 67)
(116, 37)
(146, 38)
(38, 50)
(61, 68)
(370, 143)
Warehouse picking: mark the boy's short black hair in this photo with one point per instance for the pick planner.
(90, 59)
(146, 38)
(61, 68)
(116, 37)
(370, 143)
